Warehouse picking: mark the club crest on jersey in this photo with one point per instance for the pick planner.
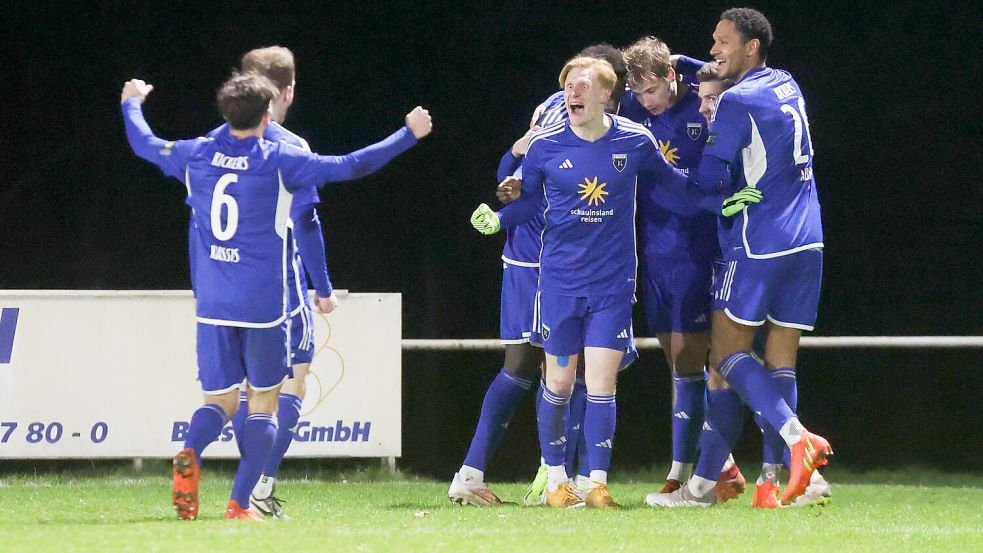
(168, 147)
(546, 332)
(694, 130)
(620, 161)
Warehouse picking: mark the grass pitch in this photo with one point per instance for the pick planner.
(910, 510)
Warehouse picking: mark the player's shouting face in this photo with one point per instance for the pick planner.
(584, 97)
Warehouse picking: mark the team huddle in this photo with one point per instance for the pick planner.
(691, 179)
(697, 179)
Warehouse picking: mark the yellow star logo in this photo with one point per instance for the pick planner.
(669, 152)
(592, 192)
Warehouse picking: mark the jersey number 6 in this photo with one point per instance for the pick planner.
(219, 199)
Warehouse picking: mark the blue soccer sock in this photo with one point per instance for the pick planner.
(205, 426)
(258, 434)
(501, 400)
(287, 414)
(687, 417)
(583, 462)
(575, 423)
(240, 417)
(551, 414)
(753, 382)
(599, 424)
(774, 450)
(724, 420)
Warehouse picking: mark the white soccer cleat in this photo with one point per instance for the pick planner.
(464, 492)
(680, 498)
(263, 499)
(818, 492)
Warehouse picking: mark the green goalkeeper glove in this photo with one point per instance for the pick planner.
(736, 203)
(485, 221)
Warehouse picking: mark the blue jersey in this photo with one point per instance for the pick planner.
(589, 189)
(760, 132)
(673, 225)
(524, 242)
(303, 203)
(241, 193)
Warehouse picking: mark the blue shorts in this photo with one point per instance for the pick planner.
(519, 286)
(565, 324)
(783, 290)
(228, 354)
(676, 294)
(302, 337)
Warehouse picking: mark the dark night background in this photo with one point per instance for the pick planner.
(895, 127)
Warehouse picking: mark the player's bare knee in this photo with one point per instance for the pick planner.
(264, 401)
(782, 346)
(523, 360)
(689, 353)
(228, 401)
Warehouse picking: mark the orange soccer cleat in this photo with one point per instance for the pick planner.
(809, 453)
(235, 512)
(765, 496)
(187, 477)
(730, 484)
(671, 486)
(565, 496)
(600, 498)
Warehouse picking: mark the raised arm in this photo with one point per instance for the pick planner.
(170, 156)
(316, 170)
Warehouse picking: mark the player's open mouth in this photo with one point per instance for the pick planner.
(576, 108)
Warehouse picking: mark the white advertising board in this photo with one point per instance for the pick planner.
(87, 374)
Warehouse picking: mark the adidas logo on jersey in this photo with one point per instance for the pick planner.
(624, 333)
(606, 443)
(701, 319)
(561, 441)
(706, 426)
(567, 164)
(681, 415)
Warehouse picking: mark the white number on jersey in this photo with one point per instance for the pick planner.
(798, 116)
(219, 199)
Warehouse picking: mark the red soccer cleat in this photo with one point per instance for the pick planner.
(730, 484)
(235, 512)
(187, 477)
(809, 453)
(765, 496)
(671, 485)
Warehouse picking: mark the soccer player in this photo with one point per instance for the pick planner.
(586, 170)
(520, 264)
(678, 248)
(773, 252)
(240, 188)
(306, 241)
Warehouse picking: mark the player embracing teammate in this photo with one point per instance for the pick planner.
(757, 153)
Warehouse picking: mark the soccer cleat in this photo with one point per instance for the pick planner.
(565, 496)
(600, 498)
(766, 496)
(809, 453)
(730, 484)
(671, 485)
(818, 492)
(269, 506)
(471, 493)
(187, 477)
(235, 512)
(535, 494)
(680, 498)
